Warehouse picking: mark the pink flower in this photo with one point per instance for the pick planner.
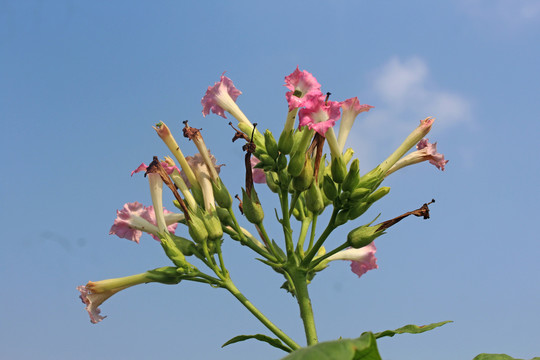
(168, 168)
(301, 84)
(150, 215)
(258, 174)
(320, 115)
(362, 259)
(218, 98)
(197, 164)
(92, 302)
(351, 108)
(429, 152)
(125, 218)
(135, 218)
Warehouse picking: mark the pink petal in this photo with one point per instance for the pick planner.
(150, 215)
(121, 226)
(91, 305)
(258, 174)
(141, 167)
(366, 262)
(353, 106)
(304, 84)
(209, 100)
(320, 115)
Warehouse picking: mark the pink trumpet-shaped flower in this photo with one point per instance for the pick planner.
(362, 259)
(351, 108)
(258, 174)
(150, 215)
(218, 98)
(425, 152)
(301, 84)
(320, 115)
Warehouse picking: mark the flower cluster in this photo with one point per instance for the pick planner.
(296, 168)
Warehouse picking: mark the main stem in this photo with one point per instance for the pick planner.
(228, 284)
(299, 278)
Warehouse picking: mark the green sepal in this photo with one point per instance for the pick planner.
(296, 164)
(281, 162)
(338, 169)
(286, 142)
(186, 246)
(221, 194)
(172, 252)
(314, 200)
(267, 339)
(359, 194)
(272, 181)
(253, 210)
(270, 144)
(378, 194)
(342, 217)
(411, 329)
(305, 178)
(362, 348)
(167, 275)
(353, 176)
(364, 235)
(197, 229)
(212, 224)
(329, 188)
(358, 210)
(224, 217)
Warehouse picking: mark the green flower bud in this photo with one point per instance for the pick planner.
(378, 194)
(286, 141)
(322, 169)
(304, 180)
(186, 246)
(253, 210)
(358, 210)
(172, 251)
(166, 275)
(353, 176)
(347, 155)
(266, 160)
(221, 194)
(314, 200)
(342, 217)
(339, 170)
(296, 164)
(271, 145)
(358, 194)
(372, 179)
(363, 235)
(284, 179)
(213, 225)
(224, 216)
(272, 181)
(344, 196)
(329, 188)
(197, 230)
(281, 162)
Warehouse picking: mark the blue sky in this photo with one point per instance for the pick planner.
(82, 83)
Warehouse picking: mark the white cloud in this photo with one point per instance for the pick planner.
(406, 94)
(509, 11)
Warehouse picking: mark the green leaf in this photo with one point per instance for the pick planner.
(410, 329)
(498, 357)
(362, 348)
(274, 342)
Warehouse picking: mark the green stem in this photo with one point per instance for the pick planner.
(315, 249)
(299, 278)
(285, 222)
(266, 239)
(327, 255)
(302, 237)
(228, 284)
(312, 235)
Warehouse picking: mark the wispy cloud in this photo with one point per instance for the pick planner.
(405, 94)
(509, 11)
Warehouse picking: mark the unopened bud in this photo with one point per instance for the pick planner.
(304, 180)
(213, 225)
(272, 181)
(358, 210)
(270, 144)
(363, 236)
(187, 247)
(329, 188)
(342, 217)
(297, 163)
(353, 176)
(314, 200)
(378, 194)
(339, 170)
(221, 194)
(281, 162)
(172, 252)
(197, 230)
(224, 216)
(253, 210)
(286, 141)
(358, 194)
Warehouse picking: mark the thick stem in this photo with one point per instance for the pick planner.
(299, 278)
(315, 249)
(228, 284)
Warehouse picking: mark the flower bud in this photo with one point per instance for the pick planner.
(266, 160)
(353, 176)
(378, 194)
(339, 170)
(172, 252)
(358, 210)
(314, 200)
(359, 194)
(329, 188)
(224, 216)
(186, 246)
(197, 230)
(271, 145)
(212, 225)
(272, 181)
(297, 163)
(304, 180)
(363, 235)
(281, 162)
(221, 194)
(342, 217)
(286, 141)
(253, 210)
